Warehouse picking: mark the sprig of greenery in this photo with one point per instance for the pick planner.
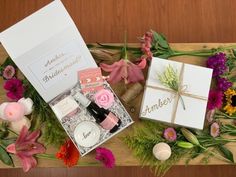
(44, 118)
(170, 79)
(142, 141)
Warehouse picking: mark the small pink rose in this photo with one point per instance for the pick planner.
(104, 98)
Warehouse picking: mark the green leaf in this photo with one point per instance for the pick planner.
(6, 142)
(164, 56)
(234, 52)
(233, 79)
(227, 153)
(160, 39)
(5, 157)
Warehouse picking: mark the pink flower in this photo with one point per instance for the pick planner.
(15, 89)
(210, 115)
(8, 72)
(14, 111)
(123, 69)
(170, 134)
(214, 99)
(146, 44)
(25, 147)
(105, 156)
(104, 98)
(215, 129)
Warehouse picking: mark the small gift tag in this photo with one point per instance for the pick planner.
(91, 80)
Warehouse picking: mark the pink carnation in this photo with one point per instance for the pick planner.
(15, 89)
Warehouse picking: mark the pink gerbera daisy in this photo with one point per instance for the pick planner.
(214, 99)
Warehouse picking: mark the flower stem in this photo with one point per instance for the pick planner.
(12, 131)
(214, 154)
(125, 47)
(221, 115)
(46, 156)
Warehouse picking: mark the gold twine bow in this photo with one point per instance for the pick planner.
(179, 93)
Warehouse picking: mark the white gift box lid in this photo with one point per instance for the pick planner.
(158, 104)
(48, 49)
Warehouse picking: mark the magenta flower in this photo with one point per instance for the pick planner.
(214, 99)
(217, 63)
(223, 84)
(170, 134)
(215, 129)
(15, 89)
(123, 70)
(105, 156)
(8, 72)
(25, 147)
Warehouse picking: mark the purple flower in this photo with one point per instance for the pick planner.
(170, 134)
(223, 84)
(105, 156)
(215, 129)
(214, 99)
(8, 72)
(217, 63)
(15, 89)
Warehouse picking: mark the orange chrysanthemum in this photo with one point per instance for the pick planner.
(68, 153)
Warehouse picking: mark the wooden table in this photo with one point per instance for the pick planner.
(124, 156)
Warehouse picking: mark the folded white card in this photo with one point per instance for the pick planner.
(48, 49)
(159, 102)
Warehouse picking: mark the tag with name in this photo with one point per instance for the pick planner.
(64, 107)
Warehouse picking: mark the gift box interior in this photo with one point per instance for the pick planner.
(49, 50)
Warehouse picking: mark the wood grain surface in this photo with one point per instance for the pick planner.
(124, 156)
(106, 21)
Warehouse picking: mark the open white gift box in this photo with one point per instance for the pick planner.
(49, 50)
(163, 104)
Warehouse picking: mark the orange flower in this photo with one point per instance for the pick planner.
(68, 153)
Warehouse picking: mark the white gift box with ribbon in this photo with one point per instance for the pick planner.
(164, 104)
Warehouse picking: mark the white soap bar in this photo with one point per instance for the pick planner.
(65, 106)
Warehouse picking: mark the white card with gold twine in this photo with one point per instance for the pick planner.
(163, 104)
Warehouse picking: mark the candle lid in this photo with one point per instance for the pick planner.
(87, 134)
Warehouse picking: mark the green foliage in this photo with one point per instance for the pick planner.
(227, 153)
(142, 141)
(44, 118)
(5, 157)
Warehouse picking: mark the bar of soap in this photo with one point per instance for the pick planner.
(162, 151)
